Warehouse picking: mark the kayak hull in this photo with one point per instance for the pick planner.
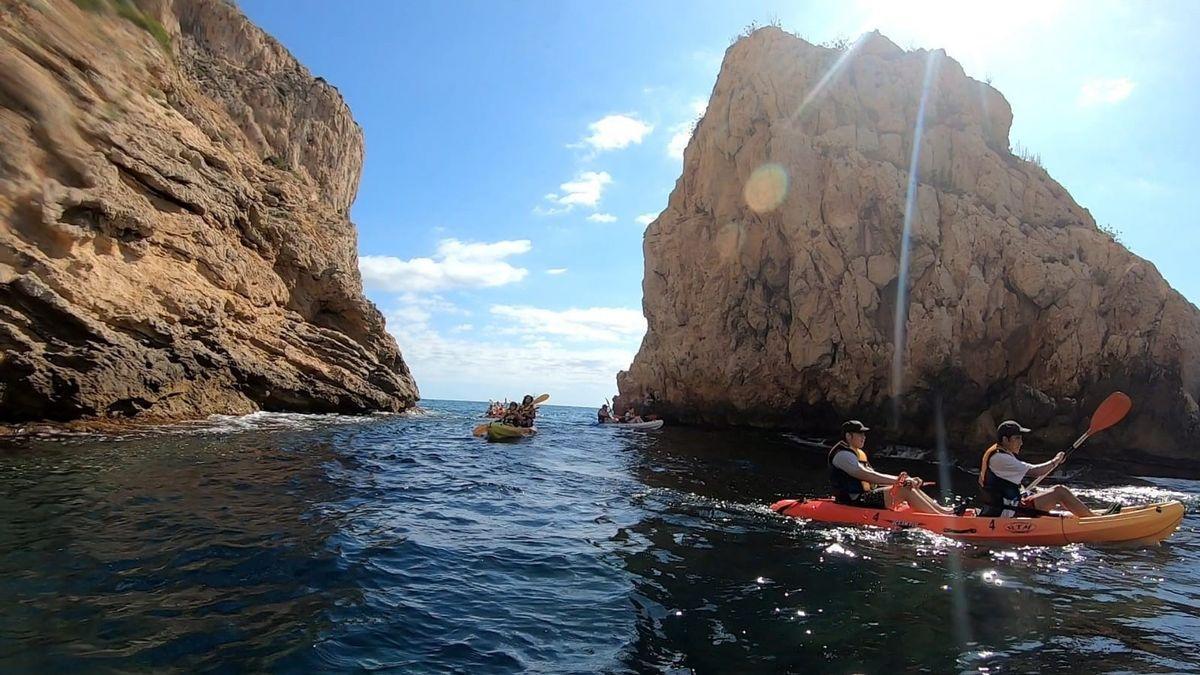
(1133, 526)
(644, 426)
(504, 432)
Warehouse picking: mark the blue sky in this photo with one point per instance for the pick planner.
(516, 149)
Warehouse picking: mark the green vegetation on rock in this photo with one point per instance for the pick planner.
(130, 12)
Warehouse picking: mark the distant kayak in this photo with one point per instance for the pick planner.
(646, 426)
(1133, 526)
(504, 432)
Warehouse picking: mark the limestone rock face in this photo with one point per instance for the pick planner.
(771, 277)
(174, 231)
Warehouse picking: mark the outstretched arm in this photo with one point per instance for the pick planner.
(1045, 467)
(847, 462)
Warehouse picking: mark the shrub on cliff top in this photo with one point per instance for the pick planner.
(1112, 232)
(1027, 155)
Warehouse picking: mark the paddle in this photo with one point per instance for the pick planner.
(482, 428)
(1112, 410)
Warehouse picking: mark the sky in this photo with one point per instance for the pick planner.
(516, 151)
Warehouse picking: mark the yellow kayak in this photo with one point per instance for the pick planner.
(504, 432)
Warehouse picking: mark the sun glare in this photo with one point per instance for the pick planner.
(973, 33)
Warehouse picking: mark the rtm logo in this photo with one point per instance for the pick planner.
(1019, 527)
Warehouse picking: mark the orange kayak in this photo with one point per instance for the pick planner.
(1133, 526)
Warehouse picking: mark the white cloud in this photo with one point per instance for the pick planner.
(557, 270)
(682, 133)
(475, 368)
(455, 264)
(614, 132)
(598, 324)
(411, 314)
(585, 190)
(646, 218)
(602, 218)
(462, 328)
(1098, 91)
(679, 140)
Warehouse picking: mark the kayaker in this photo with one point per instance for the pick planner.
(855, 481)
(527, 412)
(630, 418)
(603, 415)
(1001, 474)
(511, 414)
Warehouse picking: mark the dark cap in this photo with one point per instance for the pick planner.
(854, 427)
(1010, 428)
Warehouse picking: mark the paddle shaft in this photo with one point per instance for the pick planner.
(1078, 442)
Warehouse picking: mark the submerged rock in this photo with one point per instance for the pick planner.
(771, 277)
(174, 231)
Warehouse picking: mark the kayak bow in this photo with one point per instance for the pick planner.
(504, 432)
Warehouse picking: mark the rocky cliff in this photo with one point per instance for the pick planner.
(174, 231)
(771, 277)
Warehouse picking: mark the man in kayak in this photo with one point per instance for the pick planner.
(1001, 473)
(854, 480)
(603, 415)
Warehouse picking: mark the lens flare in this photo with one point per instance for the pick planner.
(899, 335)
(766, 188)
(818, 89)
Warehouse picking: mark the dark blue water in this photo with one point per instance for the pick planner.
(328, 544)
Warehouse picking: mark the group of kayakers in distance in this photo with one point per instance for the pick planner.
(856, 483)
(607, 415)
(514, 414)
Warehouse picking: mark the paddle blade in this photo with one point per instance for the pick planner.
(1112, 410)
(541, 399)
(481, 429)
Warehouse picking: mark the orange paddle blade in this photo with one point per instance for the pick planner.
(1112, 410)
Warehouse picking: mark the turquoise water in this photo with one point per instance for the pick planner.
(295, 543)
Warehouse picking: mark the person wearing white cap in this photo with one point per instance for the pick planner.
(1001, 473)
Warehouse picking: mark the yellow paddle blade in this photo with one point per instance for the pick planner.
(481, 429)
(541, 399)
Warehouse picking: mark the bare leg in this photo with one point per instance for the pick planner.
(917, 501)
(1060, 496)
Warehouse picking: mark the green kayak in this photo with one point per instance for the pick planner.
(503, 432)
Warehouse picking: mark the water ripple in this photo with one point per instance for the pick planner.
(398, 542)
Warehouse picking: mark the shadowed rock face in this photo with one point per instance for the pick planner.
(771, 277)
(174, 232)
